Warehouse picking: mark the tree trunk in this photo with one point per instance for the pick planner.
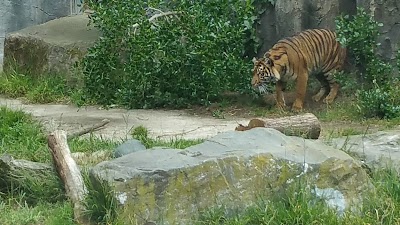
(69, 172)
(306, 125)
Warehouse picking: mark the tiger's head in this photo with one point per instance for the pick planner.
(264, 74)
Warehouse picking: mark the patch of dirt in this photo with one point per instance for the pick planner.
(246, 107)
(238, 107)
(194, 123)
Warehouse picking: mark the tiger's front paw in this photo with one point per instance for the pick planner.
(297, 107)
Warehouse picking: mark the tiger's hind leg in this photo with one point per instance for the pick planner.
(334, 87)
(324, 87)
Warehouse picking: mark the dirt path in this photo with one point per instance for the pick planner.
(165, 124)
(161, 123)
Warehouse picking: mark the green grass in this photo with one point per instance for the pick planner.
(343, 109)
(56, 89)
(39, 199)
(142, 134)
(100, 203)
(22, 137)
(43, 202)
(15, 212)
(44, 89)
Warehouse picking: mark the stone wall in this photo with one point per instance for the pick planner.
(388, 13)
(19, 14)
(284, 19)
(291, 16)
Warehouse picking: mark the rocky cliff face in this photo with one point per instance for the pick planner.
(290, 16)
(388, 13)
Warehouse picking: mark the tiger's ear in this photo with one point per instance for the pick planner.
(254, 60)
(269, 62)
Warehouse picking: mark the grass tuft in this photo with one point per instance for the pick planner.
(44, 89)
(100, 201)
(142, 134)
(21, 136)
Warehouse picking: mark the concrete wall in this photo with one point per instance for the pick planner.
(388, 13)
(18, 14)
(290, 16)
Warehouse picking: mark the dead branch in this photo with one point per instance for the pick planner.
(154, 17)
(89, 129)
(69, 172)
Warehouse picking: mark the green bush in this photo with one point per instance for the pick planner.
(378, 94)
(359, 33)
(190, 57)
(382, 102)
(398, 60)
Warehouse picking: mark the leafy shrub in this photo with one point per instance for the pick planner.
(379, 72)
(382, 102)
(190, 57)
(378, 95)
(359, 33)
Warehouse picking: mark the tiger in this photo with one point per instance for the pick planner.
(312, 51)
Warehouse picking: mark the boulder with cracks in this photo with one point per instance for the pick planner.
(232, 169)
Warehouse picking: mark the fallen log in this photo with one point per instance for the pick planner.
(69, 172)
(37, 181)
(306, 125)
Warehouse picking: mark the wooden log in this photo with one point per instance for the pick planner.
(69, 172)
(306, 125)
(38, 181)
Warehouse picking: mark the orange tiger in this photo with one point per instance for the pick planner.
(313, 51)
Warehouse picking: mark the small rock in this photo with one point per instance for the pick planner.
(128, 147)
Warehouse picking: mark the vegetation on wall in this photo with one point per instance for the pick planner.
(378, 96)
(191, 53)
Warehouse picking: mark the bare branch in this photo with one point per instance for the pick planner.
(89, 129)
(154, 17)
(69, 172)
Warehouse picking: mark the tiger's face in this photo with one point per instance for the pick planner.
(265, 75)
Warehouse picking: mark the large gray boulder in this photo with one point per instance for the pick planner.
(231, 168)
(18, 14)
(52, 47)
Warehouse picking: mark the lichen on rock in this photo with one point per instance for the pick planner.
(230, 169)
